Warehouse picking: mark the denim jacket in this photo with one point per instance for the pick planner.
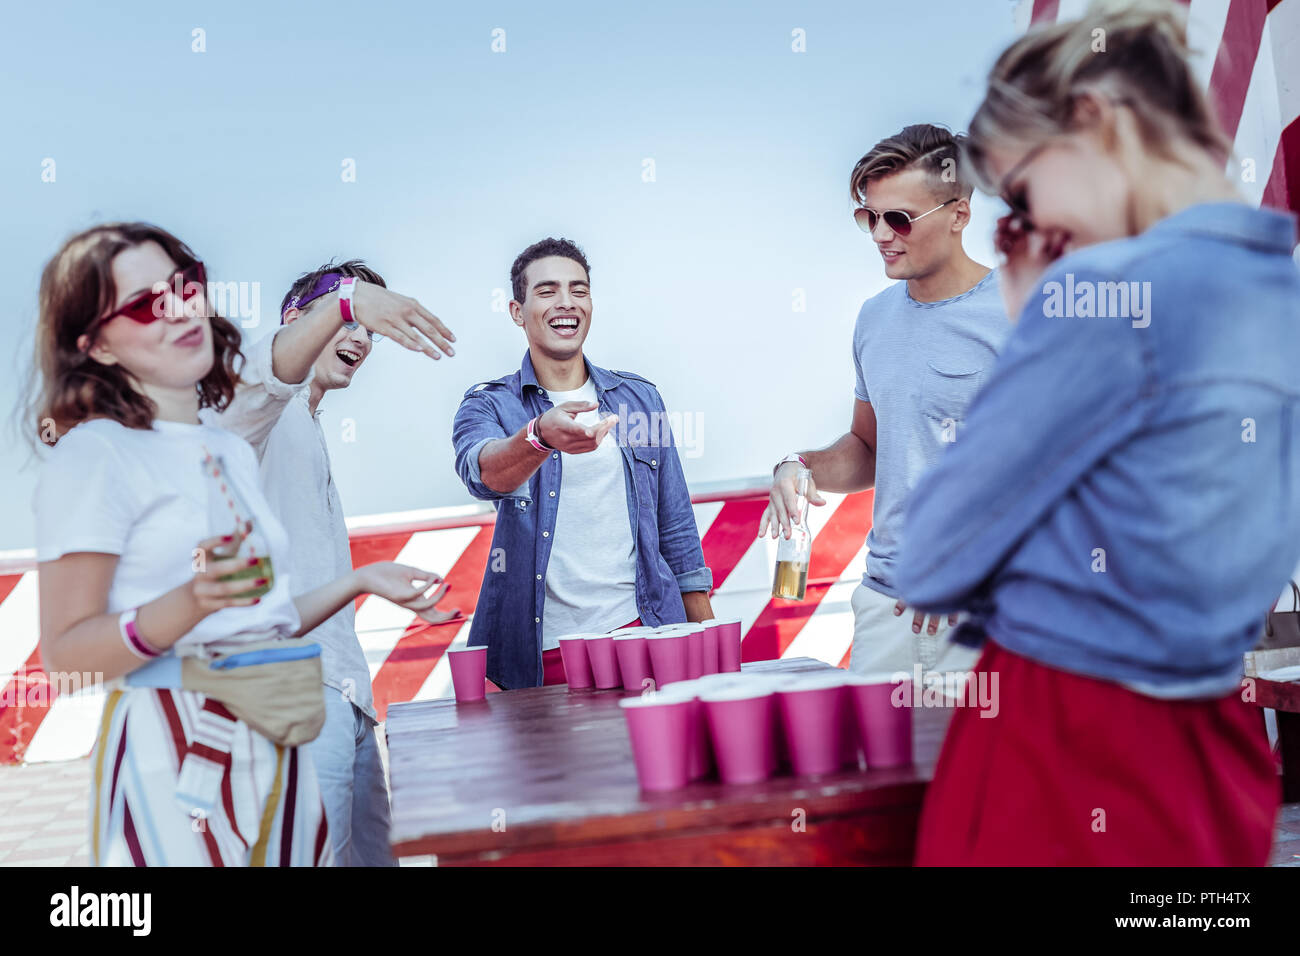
(1124, 501)
(669, 559)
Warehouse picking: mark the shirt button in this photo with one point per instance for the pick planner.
(556, 455)
(539, 577)
(537, 620)
(653, 463)
(552, 494)
(546, 534)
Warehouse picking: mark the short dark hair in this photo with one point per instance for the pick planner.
(935, 149)
(540, 250)
(353, 267)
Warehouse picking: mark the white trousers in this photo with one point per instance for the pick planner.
(884, 643)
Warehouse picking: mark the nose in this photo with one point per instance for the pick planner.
(882, 226)
(175, 308)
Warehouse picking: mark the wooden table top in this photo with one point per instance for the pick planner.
(546, 767)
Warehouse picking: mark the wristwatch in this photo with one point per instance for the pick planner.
(534, 439)
(792, 457)
(346, 288)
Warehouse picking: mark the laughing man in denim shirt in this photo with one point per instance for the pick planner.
(592, 533)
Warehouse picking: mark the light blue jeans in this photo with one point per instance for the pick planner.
(346, 757)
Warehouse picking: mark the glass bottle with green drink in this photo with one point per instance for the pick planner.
(228, 514)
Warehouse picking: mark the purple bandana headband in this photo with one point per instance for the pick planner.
(324, 285)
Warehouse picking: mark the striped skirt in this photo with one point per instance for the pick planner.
(265, 807)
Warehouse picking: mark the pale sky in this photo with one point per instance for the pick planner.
(463, 156)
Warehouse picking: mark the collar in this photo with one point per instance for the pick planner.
(1272, 230)
(603, 379)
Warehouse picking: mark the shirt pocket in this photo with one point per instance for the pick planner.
(948, 387)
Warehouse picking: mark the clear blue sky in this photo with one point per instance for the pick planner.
(464, 156)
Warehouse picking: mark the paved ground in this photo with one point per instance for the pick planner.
(43, 817)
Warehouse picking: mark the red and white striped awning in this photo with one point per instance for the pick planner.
(406, 655)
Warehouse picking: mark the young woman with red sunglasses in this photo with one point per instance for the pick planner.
(132, 367)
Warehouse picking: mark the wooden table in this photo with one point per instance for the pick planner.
(545, 776)
(1284, 698)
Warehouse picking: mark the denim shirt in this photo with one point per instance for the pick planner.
(1124, 503)
(669, 559)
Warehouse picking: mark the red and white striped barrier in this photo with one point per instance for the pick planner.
(38, 723)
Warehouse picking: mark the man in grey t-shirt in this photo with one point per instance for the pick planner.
(921, 349)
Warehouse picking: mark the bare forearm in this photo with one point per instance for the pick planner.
(315, 607)
(697, 606)
(95, 645)
(845, 466)
(300, 343)
(506, 463)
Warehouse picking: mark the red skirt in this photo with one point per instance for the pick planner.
(1075, 771)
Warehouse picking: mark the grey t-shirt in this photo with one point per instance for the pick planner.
(919, 364)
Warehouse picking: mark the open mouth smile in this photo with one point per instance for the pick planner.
(348, 357)
(565, 325)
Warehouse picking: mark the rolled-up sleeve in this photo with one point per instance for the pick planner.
(260, 397)
(476, 424)
(679, 538)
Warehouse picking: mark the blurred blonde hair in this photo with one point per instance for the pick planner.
(1143, 62)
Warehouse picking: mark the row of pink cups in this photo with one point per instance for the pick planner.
(749, 726)
(634, 658)
(645, 658)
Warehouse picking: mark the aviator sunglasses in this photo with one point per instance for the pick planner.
(897, 220)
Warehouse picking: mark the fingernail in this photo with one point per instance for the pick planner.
(227, 537)
(916, 629)
(252, 562)
(257, 600)
(259, 582)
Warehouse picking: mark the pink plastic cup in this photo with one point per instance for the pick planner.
(668, 657)
(468, 672)
(742, 728)
(604, 662)
(711, 662)
(701, 750)
(577, 668)
(728, 643)
(660, 732)
(813, 710)
(633, 661)
(885, 730)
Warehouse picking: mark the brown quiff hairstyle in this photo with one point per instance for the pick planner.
(934, 149)
(1134, 51)
(67, 385)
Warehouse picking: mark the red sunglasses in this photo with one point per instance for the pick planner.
(149, 305)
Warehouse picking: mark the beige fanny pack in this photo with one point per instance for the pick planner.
(275, 686)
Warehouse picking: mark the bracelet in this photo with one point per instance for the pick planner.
(132, 639)
(798, 458)
(534, 438)
(346, 288)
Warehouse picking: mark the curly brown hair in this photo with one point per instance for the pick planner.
(67, 385)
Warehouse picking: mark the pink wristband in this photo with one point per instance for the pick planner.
(534, 439)
(132, 639)
(346, 288)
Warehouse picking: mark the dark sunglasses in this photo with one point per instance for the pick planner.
(897, 220)
(148, 305)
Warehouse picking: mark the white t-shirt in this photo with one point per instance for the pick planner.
(591, 575)
(143, 495)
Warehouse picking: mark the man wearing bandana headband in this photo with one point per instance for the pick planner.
(330, 319)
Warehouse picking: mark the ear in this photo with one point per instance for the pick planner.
(961, 219)
(99, 352)
(517, 313)
(291, 315)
